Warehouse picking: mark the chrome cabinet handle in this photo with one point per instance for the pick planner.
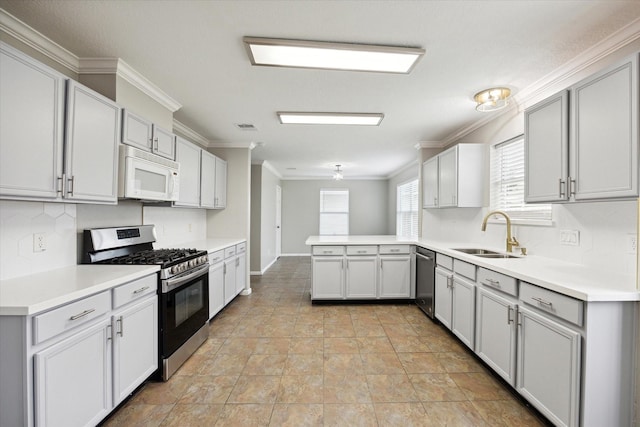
(493, 283)
(121, 331)
(542, 302)
(572, 187)
(72, 184)
(509, 319)
(109, 333)
(519, 319)
(84, 313)
(60, 185)
(561, 190)
(137, 291)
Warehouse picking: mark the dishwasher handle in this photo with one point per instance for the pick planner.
(428, 258)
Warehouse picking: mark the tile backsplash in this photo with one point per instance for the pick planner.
(18, 223)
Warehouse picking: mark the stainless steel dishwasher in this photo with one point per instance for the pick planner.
(425, 280)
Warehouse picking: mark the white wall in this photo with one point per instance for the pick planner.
(368, 207)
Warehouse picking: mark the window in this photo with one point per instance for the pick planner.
(334, 212)
(507, 182)
(407, 209)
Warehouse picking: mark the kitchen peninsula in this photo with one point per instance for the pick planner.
(551, 329)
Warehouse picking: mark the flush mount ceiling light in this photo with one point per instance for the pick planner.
(492, 99)
(337, 174)
(297, 118)
(331, 56)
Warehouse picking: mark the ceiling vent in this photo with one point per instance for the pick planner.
(246, 126)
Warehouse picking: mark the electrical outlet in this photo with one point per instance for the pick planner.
(570, 237)
(632, 243)
(39, 242)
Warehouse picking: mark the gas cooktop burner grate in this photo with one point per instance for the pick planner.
(155, 256)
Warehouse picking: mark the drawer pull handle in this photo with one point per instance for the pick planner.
(326, 252)
(137, 291)
(84, 313)
(491, 282)
(542, 302)
(395, 250)
(362, 252)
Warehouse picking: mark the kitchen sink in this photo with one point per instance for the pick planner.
(485, 253)
(475, 251)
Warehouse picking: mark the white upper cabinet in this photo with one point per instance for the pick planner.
(221, 184)
(36, 163)
(430, 183)
(31, 127)
(546, 146)
(455, 177)
(91, 146)
(604, 133)
(141, 133)
(582, 144)
(188, 155)
(208, 180)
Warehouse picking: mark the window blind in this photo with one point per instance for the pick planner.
(334, 212)
(407, 209)
(507, 182)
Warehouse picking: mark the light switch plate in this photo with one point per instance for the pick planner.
(570, 237)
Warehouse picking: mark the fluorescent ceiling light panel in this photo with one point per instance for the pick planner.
(364, 119)
(331, 56)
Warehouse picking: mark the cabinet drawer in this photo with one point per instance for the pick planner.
(241, 248)
(395, 249)
(362, 250)
(229, 252)
(498, 281)
(69, 316)
(216, 256)
(328, 250)
(134, 290)
(464, 269)
(444, 261)
(562, 306)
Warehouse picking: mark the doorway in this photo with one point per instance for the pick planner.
(278, 221)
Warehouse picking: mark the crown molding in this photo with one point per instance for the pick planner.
(192, 135)
(271, 169)
(411, 164)
(52, 50)
(38, 41)
(220, 144)
(429, 144)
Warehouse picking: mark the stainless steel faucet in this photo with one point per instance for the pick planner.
(511, 240)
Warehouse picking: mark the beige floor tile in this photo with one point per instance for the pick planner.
(459, 362)
(245, 415)
(480, 386)
(346, 389)
(238, 346)
(209, 389)
(306, 345)
(399, 329)
(381, 363)
(391, 317)
(225, 364)
(391, 388)
(163, 393)
(300, 389)
(192, 415)
(315, 329)
(265, 364)
(210, 347)
(445, 343)
(462, 414)
(343, 364)
(409, 344)
(337, 315)
(144, 415)
(400, 414)
(303, 364)
(272, 346)
(349, 414)
(420, 363)
(297, 415)
(368, 329)
(374, 345)
(255, 389)
(506, 413)
(338, 330)
(193, 365)
(436, 388)
(341, 345)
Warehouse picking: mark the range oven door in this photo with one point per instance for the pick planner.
(184, 308)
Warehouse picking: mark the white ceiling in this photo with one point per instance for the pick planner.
(193, 50)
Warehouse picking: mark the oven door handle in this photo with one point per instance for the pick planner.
(170, 284)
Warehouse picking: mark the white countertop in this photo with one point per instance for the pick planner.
(213, 244)
(35, 293)
(574, 280)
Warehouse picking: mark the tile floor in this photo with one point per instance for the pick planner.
(273, 359)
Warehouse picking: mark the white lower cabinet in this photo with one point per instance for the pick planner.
(229, 271)
(444, 305)
(328, 277)
(73, 379)
(135, 346)
(361, 277)
(216, 288)
(549, 367)
(395, 276)
(496, 332)
(241, 268)
(463, 302)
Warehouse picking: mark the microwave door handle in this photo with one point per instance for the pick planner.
(172, 190)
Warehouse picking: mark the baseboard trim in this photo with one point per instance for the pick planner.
(307, 254)
(255, 273)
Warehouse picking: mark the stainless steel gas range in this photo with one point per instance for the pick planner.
(183, 286)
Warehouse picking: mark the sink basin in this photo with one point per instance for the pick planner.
(485, 253)
(479, 252)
